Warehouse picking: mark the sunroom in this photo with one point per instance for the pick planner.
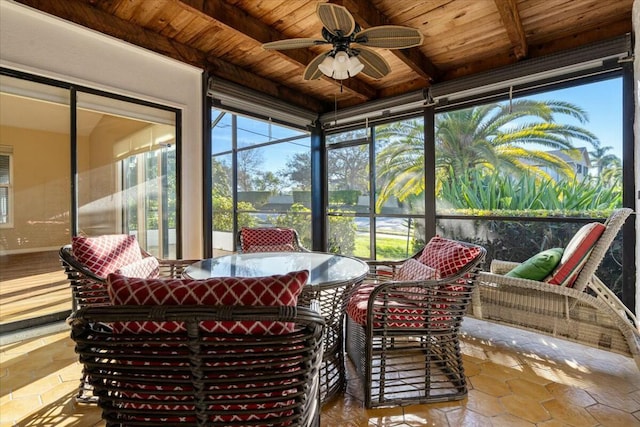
(511, 138)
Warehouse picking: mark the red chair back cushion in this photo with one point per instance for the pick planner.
(576, 254)
(105, 254)
(245, 291)
(267, 238)
(447, 256)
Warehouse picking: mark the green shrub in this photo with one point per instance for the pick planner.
(494, 191)
(344, 197)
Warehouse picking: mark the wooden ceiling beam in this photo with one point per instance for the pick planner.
(241, 22)
(573, 41)
(513, 25)
(93, 17)
(368, 16)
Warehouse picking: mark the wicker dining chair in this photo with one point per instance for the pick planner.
(88, 283)
(88, 286)
(269, 239)
(402, 332)
(203, 372)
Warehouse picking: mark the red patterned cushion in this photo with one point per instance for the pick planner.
(264, 291)
(413, 269)
(271, 248)
(146, 268)
(447, 256)
(105, 254)
(575, 254)
(405, 315)
(258, 291)
(267, 236)
(157, 394)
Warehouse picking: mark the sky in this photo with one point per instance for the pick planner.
(603, 103)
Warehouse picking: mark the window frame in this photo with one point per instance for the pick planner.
(9, 186)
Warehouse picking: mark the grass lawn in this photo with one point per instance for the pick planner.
(388, 248)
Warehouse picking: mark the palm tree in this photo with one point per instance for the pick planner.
(493, 136)
(603, 160)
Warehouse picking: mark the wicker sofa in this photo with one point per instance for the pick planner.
(587, 313)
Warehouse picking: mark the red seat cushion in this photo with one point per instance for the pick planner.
(447, 256)
(434, 309)
(245, 291)
(399, 315)
(105, 254)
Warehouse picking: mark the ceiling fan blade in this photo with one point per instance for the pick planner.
(390, 37)
(312, 72)
(336, 19)
(292, 44)
(374, 65)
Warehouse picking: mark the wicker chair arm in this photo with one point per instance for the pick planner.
(135, 313)
(492, 279)
(66, 256)
(174, 267)
(384, 268)
(502, 267)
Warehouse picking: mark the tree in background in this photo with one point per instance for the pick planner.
(495, 137)
(298, 171)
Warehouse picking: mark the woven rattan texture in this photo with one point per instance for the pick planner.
(408, 350)
(588, 313)
(197, 378)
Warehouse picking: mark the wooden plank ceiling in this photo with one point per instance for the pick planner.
(461, 37)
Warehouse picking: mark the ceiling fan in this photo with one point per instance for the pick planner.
(350, 54)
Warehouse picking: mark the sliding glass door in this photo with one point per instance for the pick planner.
(35, 195)
(77, 161)
(127, 171)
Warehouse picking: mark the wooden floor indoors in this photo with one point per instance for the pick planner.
(515, 378)
(32, 285)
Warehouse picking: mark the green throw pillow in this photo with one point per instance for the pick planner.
(538, 266)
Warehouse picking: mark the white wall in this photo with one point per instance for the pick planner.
(37, 43)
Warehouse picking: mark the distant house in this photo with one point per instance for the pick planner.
(578, 159)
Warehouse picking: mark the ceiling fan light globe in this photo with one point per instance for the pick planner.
(326, 66)
(341, 63)
(340, 74)
(342, 57)
(355, 66)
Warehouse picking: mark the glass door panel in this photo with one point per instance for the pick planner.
(127, 172)
(34, 202)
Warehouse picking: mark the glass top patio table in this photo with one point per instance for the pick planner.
(325, 270)
(332, 278)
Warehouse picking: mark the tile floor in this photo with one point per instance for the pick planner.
(515, 378)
